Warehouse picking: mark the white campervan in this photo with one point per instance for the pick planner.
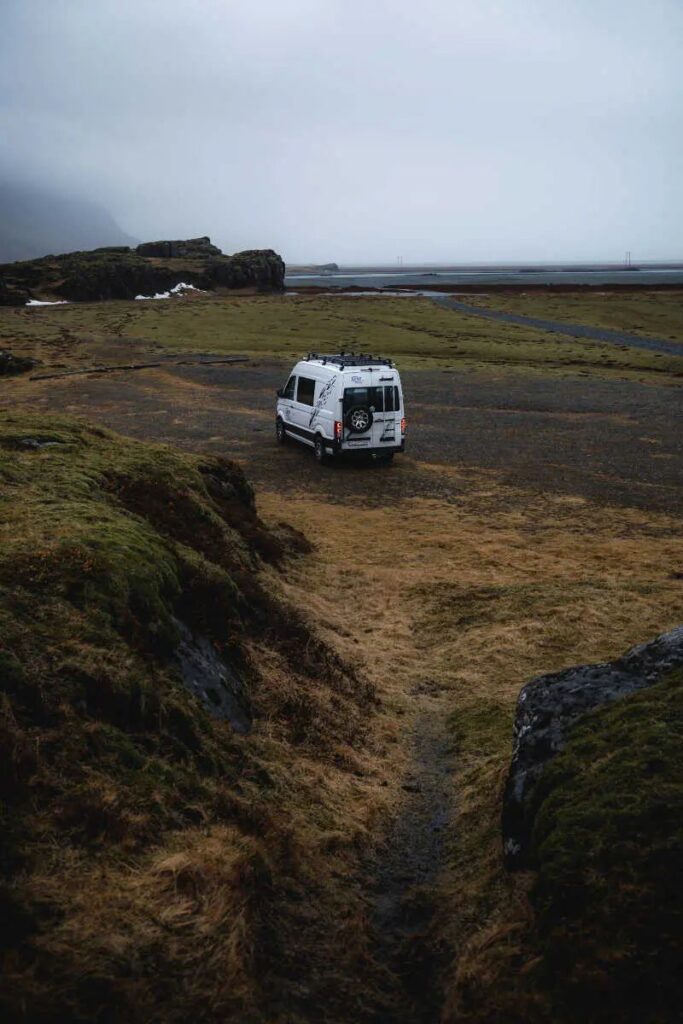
(343, 404)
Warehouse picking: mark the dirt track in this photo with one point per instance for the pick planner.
(572, 330)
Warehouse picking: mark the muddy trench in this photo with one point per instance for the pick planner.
(406, 881)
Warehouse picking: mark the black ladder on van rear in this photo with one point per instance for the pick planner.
(389, 432)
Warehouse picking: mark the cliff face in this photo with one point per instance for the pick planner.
(123, 273)
(180, 247)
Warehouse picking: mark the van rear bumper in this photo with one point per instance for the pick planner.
(385, 449)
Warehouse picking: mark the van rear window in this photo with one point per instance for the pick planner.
(365, 396)
(383, 399)
(356, 396)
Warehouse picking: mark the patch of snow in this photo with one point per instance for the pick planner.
(178, 290)
(182, 287)
(37, 302)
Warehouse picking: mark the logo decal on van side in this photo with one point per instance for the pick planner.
(324, 395)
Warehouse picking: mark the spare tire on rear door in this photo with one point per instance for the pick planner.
(359, 419)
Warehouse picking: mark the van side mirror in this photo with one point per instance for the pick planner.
(279, 392)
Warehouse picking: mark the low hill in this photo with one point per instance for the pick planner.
(178, 748)
(35, 222)
(119, 272)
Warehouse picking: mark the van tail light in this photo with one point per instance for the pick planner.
(338, 430)
(403, 425)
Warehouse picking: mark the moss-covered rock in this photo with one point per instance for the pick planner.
(608, 847)
(121, 273)
(180, 247)
(547, 709)
(143, 838)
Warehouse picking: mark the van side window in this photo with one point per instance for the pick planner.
(288, 391)
(305, 391)
(397, 398)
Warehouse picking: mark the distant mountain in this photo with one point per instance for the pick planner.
(35, 222)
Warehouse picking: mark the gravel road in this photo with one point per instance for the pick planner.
(671, 348)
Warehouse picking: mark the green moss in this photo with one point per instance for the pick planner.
(608, 841)
(109, 765)
(92, 584)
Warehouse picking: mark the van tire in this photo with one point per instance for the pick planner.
(359, 419)
(280, 432)
(319, 449)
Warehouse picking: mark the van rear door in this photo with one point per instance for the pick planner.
(386, 427)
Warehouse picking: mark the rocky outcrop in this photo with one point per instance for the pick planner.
(260, 267)
(189, 247)
(211, 679)
(10, 364)
(121, 273)
(11, 294)
(547, 709)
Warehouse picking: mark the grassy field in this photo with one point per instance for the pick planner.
(415, 331)
(657, 314)
(437, 583)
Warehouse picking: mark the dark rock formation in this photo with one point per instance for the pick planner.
(12, 295)
(189, 247)
(217, 685)
(550, 705)
(10, 364)
(121, 273)
(260, 267)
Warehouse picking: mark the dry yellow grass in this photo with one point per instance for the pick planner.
(480, 595)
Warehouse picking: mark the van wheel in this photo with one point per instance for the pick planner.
(319, 449)
(280, 432)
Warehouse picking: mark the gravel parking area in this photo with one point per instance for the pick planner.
(611, 441)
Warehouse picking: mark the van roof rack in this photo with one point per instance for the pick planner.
(344, 359)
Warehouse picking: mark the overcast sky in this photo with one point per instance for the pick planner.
(358, 130)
